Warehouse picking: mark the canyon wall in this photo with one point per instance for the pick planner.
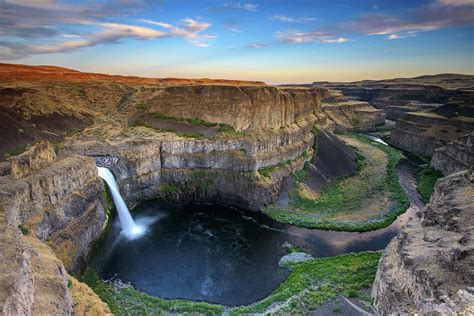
(456, 156)
(422, 133)
(242, 107)
(54, 205)
(427, 268)
(353, 116)
(205, 170)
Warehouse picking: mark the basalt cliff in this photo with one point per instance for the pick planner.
(199, 140)
(429, 111)
(427, 269)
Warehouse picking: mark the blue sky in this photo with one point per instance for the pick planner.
(274, 41)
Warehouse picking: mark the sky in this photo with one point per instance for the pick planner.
(276, 41)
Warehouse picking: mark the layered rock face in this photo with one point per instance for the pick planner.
(428, 268)
(242, 107)
(354, 116)
(205, 170)
(423, 133)
(455, 156)
(53, 204)
(49, 217)
(345, 115)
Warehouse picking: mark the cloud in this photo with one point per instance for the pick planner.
(30, 27)
(437, 15)
(288, 19)
(335, 40)
(232, 26)
(110, 33)
(242, 5)
(455, 2)
(295, 37)
(256, 45)
(191, 30)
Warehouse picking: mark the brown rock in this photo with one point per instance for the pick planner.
(428, 268)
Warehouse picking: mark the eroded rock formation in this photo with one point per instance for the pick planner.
(455, 156)
(53, 204)
(422, 133)
(428, 268)
(242, 107)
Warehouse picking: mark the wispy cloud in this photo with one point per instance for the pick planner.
(110, 33)
(335, 40)
(191, 30)
(289, 19)
(30, 27)
(454, 2)
(232, 25)
(241, 5)
(436, 15)
(295, 37)
(256, 45)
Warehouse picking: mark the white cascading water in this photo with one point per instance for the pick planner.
(129, 227)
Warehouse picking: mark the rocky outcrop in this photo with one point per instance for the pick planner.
(455, 156)
(242, 107)
(145, 165)
(353, 116)
(33, 281)
(422, 133)
(427, 269)
(85, 301)
(61, 204)
(35, 158)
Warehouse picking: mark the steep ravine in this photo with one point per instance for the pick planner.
(428, 268)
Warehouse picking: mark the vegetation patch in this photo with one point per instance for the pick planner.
(370, 199)
(312, 282)
(169, 189)
(24, 230)
(223, 129)
(309, 284)
(128, 301)
(426, 181)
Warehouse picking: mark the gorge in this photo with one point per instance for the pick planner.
(227, 177)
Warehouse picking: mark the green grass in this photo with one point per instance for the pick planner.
(181, 134)
(129, 301)
(169, 189)
(426, 181)
(293, 248)
(222, 129)
(335, 199)
(309, 284)
(312, 282)
(24, 230)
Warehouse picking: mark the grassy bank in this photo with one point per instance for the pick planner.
(309, 284)
(426, 181)
(313, 282)
(370, 199)
(129, 301)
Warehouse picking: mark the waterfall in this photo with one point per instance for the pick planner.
(129, 228)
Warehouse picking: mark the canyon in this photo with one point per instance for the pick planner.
(218, 141)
